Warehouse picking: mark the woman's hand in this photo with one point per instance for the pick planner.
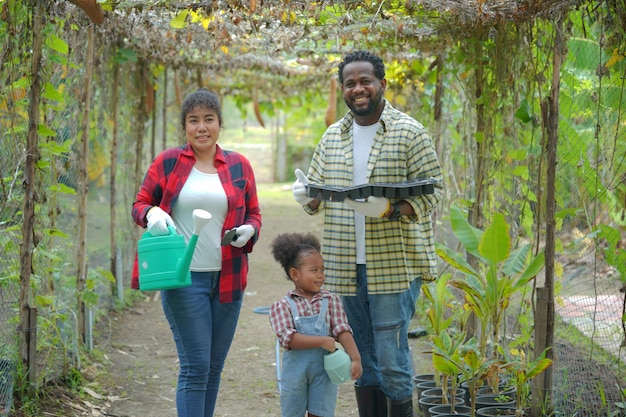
(243, 234)
(158, 220)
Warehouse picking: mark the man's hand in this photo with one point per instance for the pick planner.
(158, 220)
(372, 207)
(244, 234)
(298, 188)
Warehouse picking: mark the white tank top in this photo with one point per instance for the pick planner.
(203, 191)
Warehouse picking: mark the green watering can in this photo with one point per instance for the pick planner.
(164, 260)
(337, 366)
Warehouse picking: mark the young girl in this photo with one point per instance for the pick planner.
(307, 322)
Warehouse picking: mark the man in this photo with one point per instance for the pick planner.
(377, 252)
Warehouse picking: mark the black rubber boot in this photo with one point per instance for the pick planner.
(371, 401)
(400, 408)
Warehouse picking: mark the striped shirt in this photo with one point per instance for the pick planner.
(397, 252)
(282, 320)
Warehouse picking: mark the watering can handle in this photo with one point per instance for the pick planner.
(171, 229)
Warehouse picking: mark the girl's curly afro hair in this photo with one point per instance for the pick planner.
(288, 249)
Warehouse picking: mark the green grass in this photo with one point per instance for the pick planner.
(275, 193)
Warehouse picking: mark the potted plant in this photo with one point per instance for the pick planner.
(447, 409)
(499, 274)
(446, 360)
(522, 370)
(496, 411)
(440, 313)
(491, 400)
(501, 271)
(457, 356)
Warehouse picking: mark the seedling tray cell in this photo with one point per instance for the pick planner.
(325, 193)
(399, 190)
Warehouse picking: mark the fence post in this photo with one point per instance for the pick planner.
(31, 350)
(119, 276)
(89, 328)
(542, 383)
(27, 344)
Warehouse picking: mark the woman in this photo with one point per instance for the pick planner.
(203, 316)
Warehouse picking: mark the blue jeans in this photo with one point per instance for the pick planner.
(380, 323)
(203, 330)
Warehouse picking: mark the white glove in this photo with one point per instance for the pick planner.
(372, 207)
(158, 220)
(244, 234)
(298, 188)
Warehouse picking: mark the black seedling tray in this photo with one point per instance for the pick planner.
(412, 188)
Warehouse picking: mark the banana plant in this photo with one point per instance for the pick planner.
(446, 361)
(454, 356)
(440, 312)
(522, 370)
(501, 271)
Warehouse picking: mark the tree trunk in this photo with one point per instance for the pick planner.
(113, 179)
(476, 211)
(28, 226)
(83, 185)
(437, 116)
(153, 126)
(542, 384)
(140, 120)
(164, 110)
(475, 215)
(92, 9)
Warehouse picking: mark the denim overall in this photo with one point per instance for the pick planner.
(305, 385)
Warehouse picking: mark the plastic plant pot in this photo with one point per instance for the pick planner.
(422, 378)
(461, 409)
(496, 411)
(437, 392)
(423, 386)
(494, 400)
(426, 403)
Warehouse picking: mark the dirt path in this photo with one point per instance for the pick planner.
(140, 355)
(142, 362)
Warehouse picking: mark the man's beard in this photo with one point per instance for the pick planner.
(371, 107)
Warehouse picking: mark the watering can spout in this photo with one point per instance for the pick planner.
(200, 219)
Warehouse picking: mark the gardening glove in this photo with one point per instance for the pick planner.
(158, 220)
(372, 207)
(244, 234)
(299, 188)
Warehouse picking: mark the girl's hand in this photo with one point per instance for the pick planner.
(329, 344)
(356, 369)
